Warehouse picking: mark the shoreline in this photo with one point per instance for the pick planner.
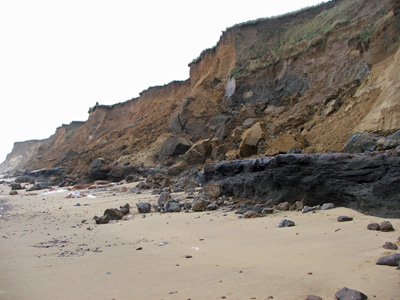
(49, 253)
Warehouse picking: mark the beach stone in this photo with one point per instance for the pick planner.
(172, 206)
(16, 186)
(373, 226)
(199, 205)
(344, 219)
(299, 205)
(267, 211)
(349, 294)
(392, 260)
(327, 206)
(390, 246)
(213, 191)
(386, 226)
(252, 214)
(102, 220)
(164, 197)
(13, 193)
(187, 206)
(286, 223)
(307, 209)
(284, 206)
(143, 207)
(113, 213)
(125, 209)
(312, 297)
(212, 206)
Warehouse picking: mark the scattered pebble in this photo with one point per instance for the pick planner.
(344, 219)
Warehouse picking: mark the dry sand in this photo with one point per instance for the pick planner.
(44, 252)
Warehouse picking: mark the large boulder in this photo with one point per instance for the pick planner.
(251, 139)
(116, 174)
(97, 163)
(174, 146)
(361, 142)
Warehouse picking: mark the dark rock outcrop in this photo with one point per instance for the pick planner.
(366, 182)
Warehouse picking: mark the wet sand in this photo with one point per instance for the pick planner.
(47, 252)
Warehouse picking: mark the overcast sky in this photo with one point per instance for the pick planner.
(57, 58)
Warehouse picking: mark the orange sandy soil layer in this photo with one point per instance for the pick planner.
(48, 253)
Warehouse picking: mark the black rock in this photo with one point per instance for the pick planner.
(368, 182)
(386, 226)
(116, 174)
(16, 186)
(114, 213)
(392, 260)
(125, 209)
(349, 294)
(97, 164)
(143, 207)
(390, 246)
(286, 223)
(344, 219)
(373, 226)
(102, 220)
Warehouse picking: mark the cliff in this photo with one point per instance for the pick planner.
(307, 80)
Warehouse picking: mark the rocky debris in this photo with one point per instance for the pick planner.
(349, 294)
(174, 146)
(132, 178)
(116, 175)
(251, 214)
(125, 209)
(102, 220)
(173, 205)
(13, 193)
(213, 190)
(390, 246)
(97, 163)
(286, 143)
(252, 138)
(158, 180)
(143, 207)
(286, 223)
(16, 186)
(212, 206)
(327, 206)
(366, 182)
(312, 297)
(307, 209)
(200, 203)
(386, 226)
(373, 226)
(392, 260)
(361, 142)
(163, 198)
(114, 213)
(344, 219)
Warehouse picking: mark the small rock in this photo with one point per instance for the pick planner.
(373, 226)
(143, 207)
(212, 206)
(125, 209)
(114, 213)
(390, 246)
(173, 206)
(344, 219)
(312, 297)
(349, 294)
(77, 204)
(284, 206)
(267, 211)
(13, 193)
(188, 256)
(252, 214)
(286, 223)
(307, 209)
(386, 226)
(326, 206)
(392, 260)
(199, 205)
(16, 186)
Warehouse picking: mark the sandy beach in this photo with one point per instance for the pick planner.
(49, 251)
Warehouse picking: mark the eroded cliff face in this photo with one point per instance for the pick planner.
(307, 80)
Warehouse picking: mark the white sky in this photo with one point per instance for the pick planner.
(58, 57)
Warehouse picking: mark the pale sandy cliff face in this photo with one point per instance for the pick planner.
(308, 80)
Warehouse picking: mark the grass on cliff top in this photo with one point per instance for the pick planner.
(276, 43)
